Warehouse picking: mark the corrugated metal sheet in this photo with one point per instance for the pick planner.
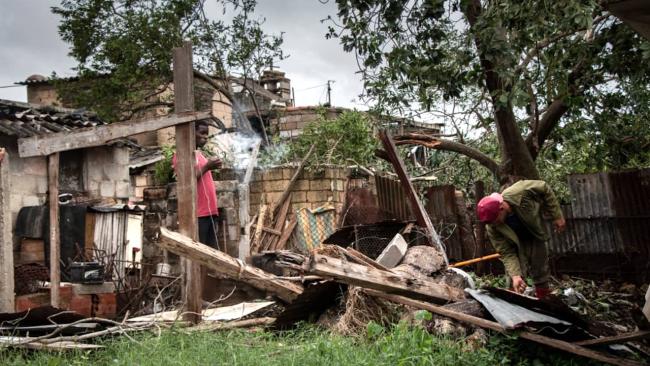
(391, 197)
(443, 211)
(609, 213)
(512, 316)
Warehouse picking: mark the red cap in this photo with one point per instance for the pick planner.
(488, 208)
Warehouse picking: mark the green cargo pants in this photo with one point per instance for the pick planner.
(533, 259)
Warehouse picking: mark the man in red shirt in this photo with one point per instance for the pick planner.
(206, 194)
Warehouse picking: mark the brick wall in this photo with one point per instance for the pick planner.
(289, 122)
(312, 189)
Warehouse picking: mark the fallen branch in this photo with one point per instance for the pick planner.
(255, 322)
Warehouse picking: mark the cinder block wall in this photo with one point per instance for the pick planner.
(312, 189)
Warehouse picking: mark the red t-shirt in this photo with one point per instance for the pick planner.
(206, 193)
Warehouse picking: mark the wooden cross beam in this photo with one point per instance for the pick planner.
(98, 136)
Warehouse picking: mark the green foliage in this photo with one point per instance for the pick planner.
(124, 48)
(569, 74)
(346, 139)
(163, 170)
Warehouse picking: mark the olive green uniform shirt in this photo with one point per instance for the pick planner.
(531, 201)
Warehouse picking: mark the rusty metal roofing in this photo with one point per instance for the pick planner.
(27, 120)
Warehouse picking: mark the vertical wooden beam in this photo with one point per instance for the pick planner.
(55, 245)
(420, 213)
(7, 295)
(243, 188)
(186, 176)
(482, 250)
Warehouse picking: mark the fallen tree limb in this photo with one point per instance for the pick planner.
(372, 278)
(487, 324)
(226, 265)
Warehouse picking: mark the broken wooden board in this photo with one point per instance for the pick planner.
(617, 339)
(369, 277)
(224, 264)
(232, 312)
(487, 324)
(421, 214)
(32, 343)
(98, 136)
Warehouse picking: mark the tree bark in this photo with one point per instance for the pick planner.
(448, 145)
(513, 146)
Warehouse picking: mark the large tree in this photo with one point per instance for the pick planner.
(124, 48)
(516, 69)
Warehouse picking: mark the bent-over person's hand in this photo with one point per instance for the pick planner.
(518, 284)
(559, 225)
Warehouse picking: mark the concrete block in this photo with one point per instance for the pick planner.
(31, 201)
(231, 215)
(272, 174)
(122, 189)
(86, 289)
(339, 185)
(34, 166)
(320, 185)
(256, 187)
(141, 181)
(290, 125)
(287, 173)
(275, 185)
(226, 200)
(225, 185)
(300, 205)
(107, 189)
(16, 202)
(121, 155)
(233, 232)
(301, 185)
(318, 196)
(92, 186)
(273, 197)
(257, 175)
(255, 198)
(139, 192)
(299, 197)
(394, 252)
(26, 183)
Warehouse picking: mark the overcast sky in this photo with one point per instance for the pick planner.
(30, 44)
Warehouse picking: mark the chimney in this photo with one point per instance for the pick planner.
(275, 82)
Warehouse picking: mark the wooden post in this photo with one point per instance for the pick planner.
(482, 250)
(7, 295)
(55, 245)
(243, 188)
(186, 176)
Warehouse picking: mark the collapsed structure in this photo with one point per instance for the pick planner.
(320, 244)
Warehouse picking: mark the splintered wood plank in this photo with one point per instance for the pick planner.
(369, 277)
(228, 266)
(487, 324)
(186, 176)
(421, 215)
(101, 135)
(365, 259)
(279, 223)
(257, 236)
(286, 234)
(55, 244)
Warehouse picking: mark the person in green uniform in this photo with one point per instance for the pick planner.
(515, 227)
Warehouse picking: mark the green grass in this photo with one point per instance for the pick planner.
(401, 345)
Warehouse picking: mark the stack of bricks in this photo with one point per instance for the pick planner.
(76, 297)
(312, 189)
(139, 183)
(228, 202)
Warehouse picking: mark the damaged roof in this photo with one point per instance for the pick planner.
(21, 120)
(26, 120)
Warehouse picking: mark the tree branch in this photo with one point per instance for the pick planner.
(448, 145)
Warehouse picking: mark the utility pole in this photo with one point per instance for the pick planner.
(329, 92)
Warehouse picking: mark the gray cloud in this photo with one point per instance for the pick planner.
(31, 45)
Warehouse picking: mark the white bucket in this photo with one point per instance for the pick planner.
(163, 269)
